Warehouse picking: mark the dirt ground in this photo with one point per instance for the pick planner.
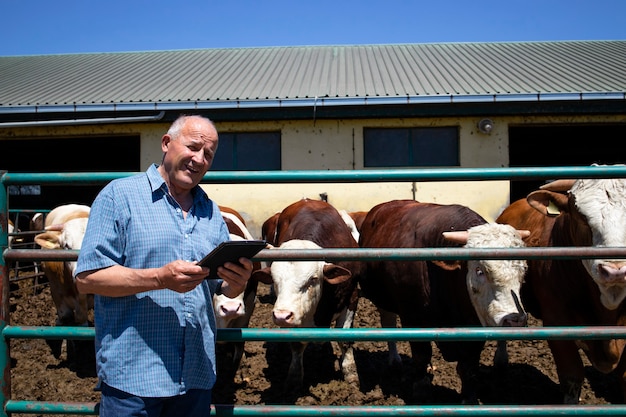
(530, 379)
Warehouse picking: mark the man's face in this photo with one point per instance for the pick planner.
(189, 156)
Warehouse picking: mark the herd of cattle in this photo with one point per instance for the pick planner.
(423, 294)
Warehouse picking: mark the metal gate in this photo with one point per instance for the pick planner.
(356, 334)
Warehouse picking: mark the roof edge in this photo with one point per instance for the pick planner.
(309, 102)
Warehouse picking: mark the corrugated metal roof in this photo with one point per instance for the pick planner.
(463, 71)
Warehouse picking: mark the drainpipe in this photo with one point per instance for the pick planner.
(84, 121)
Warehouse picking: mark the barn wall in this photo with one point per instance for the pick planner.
(337, 144)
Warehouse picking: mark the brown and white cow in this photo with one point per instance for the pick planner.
(10, 231)
(269, 229)
(234, 312)
(64, 229)
(577, 292)
(314, 293)
(358, 217)
(442, 293)
(347, 217)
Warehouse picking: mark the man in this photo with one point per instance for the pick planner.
(154, 322)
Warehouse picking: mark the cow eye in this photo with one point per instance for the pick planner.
(313, 282)
(480, 275)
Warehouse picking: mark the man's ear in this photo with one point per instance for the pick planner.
(165, 142)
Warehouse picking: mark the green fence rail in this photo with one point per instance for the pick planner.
(320, 335)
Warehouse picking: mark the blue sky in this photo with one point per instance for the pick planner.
(33, 27)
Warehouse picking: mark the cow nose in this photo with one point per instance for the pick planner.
(613, 272)
(515, 320)
(282, 317)
(231, 310)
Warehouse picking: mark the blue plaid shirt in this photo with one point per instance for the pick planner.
(157, 343)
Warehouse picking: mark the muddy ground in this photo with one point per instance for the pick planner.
(531, 379)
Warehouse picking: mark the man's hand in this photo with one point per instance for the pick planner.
(182, 276)
(235, 276)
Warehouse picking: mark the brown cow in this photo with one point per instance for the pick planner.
(577, 292)
(268, 229)
(442, 293)
(314, 293)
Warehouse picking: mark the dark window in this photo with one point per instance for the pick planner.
(552, 146)
(257, 151)
(411, 147)
(54, 155)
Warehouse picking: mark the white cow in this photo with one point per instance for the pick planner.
(234, 312)
(64, 229)
(10, 230)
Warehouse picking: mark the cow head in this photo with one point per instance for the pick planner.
(494, 285)
(298, 285)
(68, 235)
(593, 213)
(228, 309)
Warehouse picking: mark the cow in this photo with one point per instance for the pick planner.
(426, 294)
(64, 228)
(314, 293)
(576, 292)
(268, 229)
(37, 222)
(234, 312)
(10, 231)
(358, 217)
(347, 218)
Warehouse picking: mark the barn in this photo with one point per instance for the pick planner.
(468, 105)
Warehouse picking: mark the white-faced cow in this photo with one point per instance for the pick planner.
(426, 294)
(576, 292)
(314, 293)
(234, 312)
(64, 229)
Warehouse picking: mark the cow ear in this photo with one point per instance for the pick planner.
(448, 265)
(48, 240)
(335, 274)
(548, 203)
(262, 275)
(559, 185)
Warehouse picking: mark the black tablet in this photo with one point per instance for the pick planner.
(231, 251)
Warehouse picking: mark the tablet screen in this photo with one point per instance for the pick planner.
(231, 251)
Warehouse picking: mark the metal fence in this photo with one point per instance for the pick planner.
(66, 406)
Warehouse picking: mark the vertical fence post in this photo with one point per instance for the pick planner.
(5, 358)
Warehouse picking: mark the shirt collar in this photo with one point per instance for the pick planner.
(158, 183)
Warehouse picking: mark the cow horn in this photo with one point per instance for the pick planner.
(55, 227)
(457, 236)
(523, 233)
(558, 185)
